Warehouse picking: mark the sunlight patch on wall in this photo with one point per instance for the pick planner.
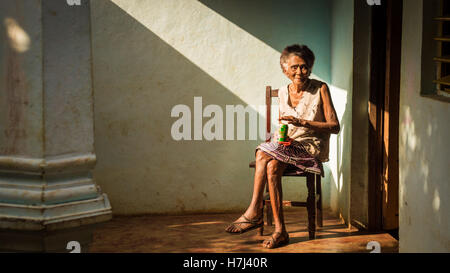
(436, 200)
(233, 57)
(239, 61)
(221, 49)
(409, 131)
(339, 98)
(17, 37)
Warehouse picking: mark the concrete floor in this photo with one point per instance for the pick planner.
(205, 233)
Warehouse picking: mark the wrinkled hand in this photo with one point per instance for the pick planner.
(294, 121)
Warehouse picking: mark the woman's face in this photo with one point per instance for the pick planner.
(297, 70)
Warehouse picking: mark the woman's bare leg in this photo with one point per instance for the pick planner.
(275, 171)
(255, 209)
(262, 159)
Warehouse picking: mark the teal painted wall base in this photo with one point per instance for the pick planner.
(49, 194)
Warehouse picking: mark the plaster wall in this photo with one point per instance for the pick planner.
(21, 79)
(149, 56)
(342, 19)
(45, 82)
(423, 150)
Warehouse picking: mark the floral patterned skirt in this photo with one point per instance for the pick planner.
(299, 160)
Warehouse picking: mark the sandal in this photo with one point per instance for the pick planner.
(253, 225)
(273, 243)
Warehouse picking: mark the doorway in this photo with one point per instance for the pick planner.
(385, 59)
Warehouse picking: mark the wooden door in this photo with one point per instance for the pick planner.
(391, 115)
(383, 115)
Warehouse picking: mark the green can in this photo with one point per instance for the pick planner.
(283, 133)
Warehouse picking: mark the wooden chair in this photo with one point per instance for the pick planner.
(313, 202)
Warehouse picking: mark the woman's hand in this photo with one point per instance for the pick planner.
(295, 121)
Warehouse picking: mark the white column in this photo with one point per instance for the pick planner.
(46, 118)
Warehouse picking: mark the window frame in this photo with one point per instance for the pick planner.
(432, 40)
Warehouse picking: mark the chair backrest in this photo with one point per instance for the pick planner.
(270, 93)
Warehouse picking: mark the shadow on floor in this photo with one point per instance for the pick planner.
(205, 233)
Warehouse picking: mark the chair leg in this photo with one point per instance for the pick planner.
(269, 215)
(319, 201)
(311, 205)
(269, 207)
(261, 229)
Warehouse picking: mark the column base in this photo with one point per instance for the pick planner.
(57, 241)
(54, 217)
(22, 231)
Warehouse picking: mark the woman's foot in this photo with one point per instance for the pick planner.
(277, 239)
(244, 224)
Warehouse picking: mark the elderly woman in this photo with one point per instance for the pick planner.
(306, 106)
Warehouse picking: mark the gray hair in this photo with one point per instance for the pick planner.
(301, 51)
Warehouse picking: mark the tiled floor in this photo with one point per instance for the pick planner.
(205, 233)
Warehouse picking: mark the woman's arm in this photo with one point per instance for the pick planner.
(331, 124)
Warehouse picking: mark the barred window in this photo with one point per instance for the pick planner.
(436, 50)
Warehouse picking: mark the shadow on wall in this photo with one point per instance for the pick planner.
(138, 79)
(299, 24)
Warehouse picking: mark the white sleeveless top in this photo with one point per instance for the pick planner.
(309, 108)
